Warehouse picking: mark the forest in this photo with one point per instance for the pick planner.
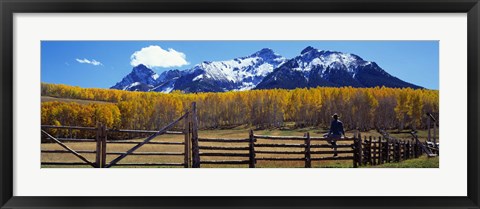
(358, 108)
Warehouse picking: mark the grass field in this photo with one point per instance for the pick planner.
(238, 132)
(421, 162)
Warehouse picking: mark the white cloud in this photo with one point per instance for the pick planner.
(86, 61)
(155, 56)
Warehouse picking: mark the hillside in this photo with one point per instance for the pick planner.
(80, 101)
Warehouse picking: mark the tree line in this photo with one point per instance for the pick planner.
(359, 108)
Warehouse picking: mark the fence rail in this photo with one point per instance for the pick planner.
(66, 151)
(149, 164)
(259, 148)
(64, 163)
(222, 140)
(376, 151)
(238, 151)
(225, 162)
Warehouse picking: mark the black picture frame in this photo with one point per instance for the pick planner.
(10, 7)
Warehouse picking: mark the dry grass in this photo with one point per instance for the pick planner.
(239, 132)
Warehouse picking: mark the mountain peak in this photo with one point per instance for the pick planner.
(142, 68)
(308, 49)
(141, 78)
(265, 52)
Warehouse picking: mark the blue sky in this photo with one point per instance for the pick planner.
(103, 63)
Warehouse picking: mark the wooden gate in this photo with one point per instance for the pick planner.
(115, 162)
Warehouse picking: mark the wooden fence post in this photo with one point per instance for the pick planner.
(359, 149)
(186, 131)
(394, 153)
(195, 148)
(435, 133)
(380, 150)
(415, 148)
(308, 162)
(387, 159)
(400, 146)
(365, 151)
(251, 150)
(400, 151)
(412, 145)
(371, 151)
(404, 150)
(354, 150)
(396, 150)
(104, 145)
(376, 157)
(409, 149)
(98, 150)
(428, 127)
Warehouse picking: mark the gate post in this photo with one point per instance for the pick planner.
(308, 161)
(397, 151)
(365, 150)
(370, 150)
(186, 132)
(380, 151)
(435, 133)
(359, 148)
(387, 159)
(251, 150)
(355, 150)
(104, 145)
(428, 127)
(195, 148)
(98, 149)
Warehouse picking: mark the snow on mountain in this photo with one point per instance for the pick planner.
(311, 58)
(265, 69)
(329, 68)
(167, 80)
(242, 73)
(245, 72)
(141, 78)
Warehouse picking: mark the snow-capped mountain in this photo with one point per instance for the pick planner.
(265, 70)
(141, 78)
(166, 81)
(328, 68)
(238, 74)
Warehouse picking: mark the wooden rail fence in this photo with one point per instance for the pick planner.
(380, 150)
(308, 147)
(244, 151)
